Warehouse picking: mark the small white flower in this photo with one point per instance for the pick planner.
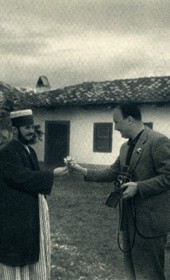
(69, 161)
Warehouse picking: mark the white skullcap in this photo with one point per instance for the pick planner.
(22, 117)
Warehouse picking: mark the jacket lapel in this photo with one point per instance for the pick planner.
(123, 153)
(138, 150)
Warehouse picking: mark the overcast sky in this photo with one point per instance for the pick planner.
(73, 41)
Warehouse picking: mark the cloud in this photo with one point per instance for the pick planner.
(57, 17)
(81, 40)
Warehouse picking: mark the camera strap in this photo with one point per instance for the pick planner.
(115, 198)
(126, 176)
(120, 227)
(125, 169)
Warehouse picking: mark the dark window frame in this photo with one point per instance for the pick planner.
(102, 137)
(149, 124)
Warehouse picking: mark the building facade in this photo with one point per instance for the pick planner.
(88, 134)
(78, 120)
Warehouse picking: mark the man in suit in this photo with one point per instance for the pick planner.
(24, 217)
(145, 204)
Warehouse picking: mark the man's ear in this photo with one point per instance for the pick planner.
(130, 120)
(15, 132)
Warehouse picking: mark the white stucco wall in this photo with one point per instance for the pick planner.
(81, 130)
(160, 116)
(82, 136)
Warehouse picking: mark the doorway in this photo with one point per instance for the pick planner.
(57, 134)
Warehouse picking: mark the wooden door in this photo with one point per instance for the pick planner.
(56, 142)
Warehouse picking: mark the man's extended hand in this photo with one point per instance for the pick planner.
(61, 171)
(73, 166)
(77, 167)
(130, 190)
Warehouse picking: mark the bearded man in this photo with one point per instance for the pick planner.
(24, 217)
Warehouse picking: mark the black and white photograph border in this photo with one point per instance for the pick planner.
(72, 62)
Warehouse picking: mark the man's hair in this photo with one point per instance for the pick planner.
(130, 109)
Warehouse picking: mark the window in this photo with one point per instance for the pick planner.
(149, 124)
(102, 141)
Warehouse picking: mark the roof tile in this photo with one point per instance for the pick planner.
(141, 90)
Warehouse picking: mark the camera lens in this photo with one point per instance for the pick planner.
(117, 183)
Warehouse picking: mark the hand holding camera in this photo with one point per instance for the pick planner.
(119, 186)
(129, 190)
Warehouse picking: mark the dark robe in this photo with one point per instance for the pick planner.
(20, 183)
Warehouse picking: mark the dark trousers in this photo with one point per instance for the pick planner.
(147, 258)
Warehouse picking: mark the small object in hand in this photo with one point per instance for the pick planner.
(69, 161)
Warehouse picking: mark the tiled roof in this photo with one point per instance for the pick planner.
(140, 90)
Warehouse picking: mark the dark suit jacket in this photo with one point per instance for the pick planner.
(150, 168)
(20, 183)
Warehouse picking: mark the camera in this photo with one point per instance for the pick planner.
(115, 196)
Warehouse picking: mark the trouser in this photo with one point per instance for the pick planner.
(147, 258)
(145, 261)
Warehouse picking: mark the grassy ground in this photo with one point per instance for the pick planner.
(84, 232)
